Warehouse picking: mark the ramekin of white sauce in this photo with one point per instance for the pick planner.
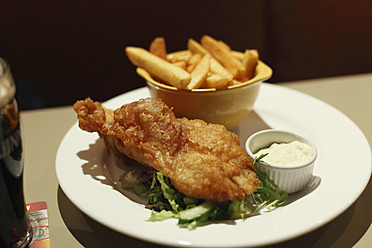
(290, 157)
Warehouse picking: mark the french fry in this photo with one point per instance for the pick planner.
(237, 55)
(158, 67)
(200, 72)
(193, 62)
(158, 47)
(215, 81)
(223, 56)
(208, 64)
(250, 61)
(195, 47)
(224, 45)
(236, 82)
(180, 64)
(216, 68)
(179, 56)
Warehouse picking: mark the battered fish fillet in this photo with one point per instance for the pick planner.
(202, 160)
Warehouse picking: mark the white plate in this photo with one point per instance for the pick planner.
(341, 173)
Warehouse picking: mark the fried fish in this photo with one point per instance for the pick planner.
(202, 160)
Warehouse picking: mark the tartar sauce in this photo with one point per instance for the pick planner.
(287, 154)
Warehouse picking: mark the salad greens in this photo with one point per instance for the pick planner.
(166, 202)
(268, 195)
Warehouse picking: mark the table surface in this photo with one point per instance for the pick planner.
(69, 227)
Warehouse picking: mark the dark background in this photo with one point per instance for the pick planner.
(64, 50)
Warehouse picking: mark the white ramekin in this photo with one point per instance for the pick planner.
(288, 178)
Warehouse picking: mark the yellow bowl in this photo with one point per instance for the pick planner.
(226, 106)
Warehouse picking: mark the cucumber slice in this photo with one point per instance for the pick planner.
(198, 213)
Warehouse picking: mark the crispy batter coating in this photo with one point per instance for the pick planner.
(202, 160)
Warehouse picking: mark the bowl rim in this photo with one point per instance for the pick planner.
(263, 72)
(279, 167)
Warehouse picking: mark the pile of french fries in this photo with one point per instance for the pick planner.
(208, 64)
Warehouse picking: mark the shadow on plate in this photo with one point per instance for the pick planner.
(312, 186)
(93, 165)
(107, 167)
(249, 125)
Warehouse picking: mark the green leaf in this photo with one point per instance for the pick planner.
(131, 178)
(238, 208)
(139, 189)
(162, 215)
(268, 195)
(190, 201)
(169, 192)
(156, 195)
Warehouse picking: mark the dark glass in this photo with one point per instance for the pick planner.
(15, 228)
